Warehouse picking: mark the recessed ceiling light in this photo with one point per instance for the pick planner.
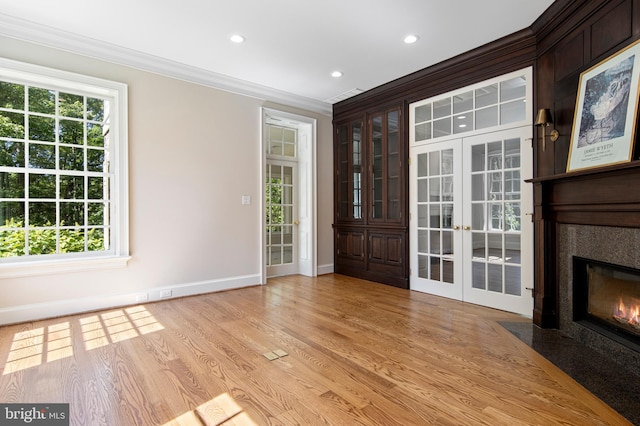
(237, 38)
(336, 74)
(411, 38)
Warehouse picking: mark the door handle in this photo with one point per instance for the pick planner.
(295, 222)
(456, 228)
(466, 227)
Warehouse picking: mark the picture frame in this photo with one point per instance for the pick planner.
(605, 117)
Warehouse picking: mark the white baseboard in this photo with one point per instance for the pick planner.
(37, 311)
(325, 269)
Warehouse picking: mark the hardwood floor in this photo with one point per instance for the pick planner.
(359, 353)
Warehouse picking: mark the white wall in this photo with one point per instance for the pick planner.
(193, 151)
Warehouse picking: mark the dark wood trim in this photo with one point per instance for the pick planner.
(562, 19)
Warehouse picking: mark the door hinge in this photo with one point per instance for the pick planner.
(409, 161)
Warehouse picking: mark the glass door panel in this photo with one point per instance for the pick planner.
(343, 172)
(435, 238)
(377, 167)
(356, 154)
(280, 218)
(349, 172)
(393, 166)
(385, 156)
(497, 232)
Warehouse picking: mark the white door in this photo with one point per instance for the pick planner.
(470, 239)
(281, 218)
(498, 234)
(436, 238)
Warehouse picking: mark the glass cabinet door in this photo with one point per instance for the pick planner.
(386, 164)
(349, 172)
(393, 166)
(377, 168)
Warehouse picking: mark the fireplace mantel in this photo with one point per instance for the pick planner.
(606, 196)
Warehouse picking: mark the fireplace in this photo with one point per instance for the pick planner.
(591, 214)
(607, 299)
(611, 254)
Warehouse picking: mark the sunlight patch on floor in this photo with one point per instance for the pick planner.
(31, 348)
(118, 325)
(221, 410)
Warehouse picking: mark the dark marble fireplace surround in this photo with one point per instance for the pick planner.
(614, 245)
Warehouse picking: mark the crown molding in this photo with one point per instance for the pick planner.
(51, 37)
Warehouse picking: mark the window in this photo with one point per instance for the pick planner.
(498, 103)
(282, 141)
(63, 181)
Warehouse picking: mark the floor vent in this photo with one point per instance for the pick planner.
(275, 354)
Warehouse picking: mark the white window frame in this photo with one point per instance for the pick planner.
(117, 93)
(471, 129)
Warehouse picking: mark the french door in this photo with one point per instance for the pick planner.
(471, 239)
(281, 222)
(435, 210)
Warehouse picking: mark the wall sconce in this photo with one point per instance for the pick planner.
(544, 120)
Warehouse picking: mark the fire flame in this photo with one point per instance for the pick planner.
(627, 315)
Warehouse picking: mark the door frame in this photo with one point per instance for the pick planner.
(306, 194)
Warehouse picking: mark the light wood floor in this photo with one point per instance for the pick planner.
(359, 353)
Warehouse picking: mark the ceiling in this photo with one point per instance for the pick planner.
(291, 46)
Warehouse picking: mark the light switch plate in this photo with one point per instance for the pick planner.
(246, 199)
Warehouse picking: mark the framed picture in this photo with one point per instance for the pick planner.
(606, 108)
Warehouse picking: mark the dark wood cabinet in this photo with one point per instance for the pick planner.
(370, 214)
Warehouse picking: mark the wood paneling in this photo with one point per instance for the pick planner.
(578, 36)
(612, 28)
(359, 353)
(350, 244)
(371, 253)
(569, 57)
(386, 248)
(574, 36)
